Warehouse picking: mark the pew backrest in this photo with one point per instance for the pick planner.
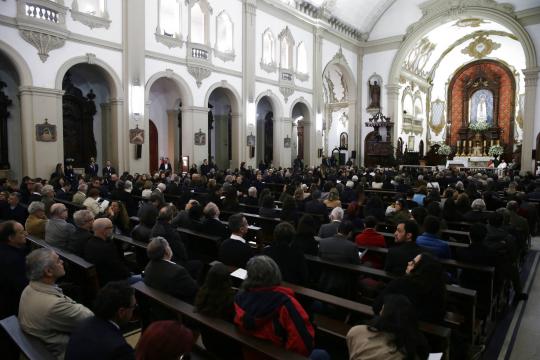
(31, 347)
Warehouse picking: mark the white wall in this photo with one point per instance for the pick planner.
(113, 33)
(534, 32)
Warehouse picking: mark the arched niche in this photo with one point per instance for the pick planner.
(267, 102)
(300, 134)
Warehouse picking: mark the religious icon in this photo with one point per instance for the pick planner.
(343, 141)
(481, 107)
(250, 141)
(136, 136)
(200, 138)
(287, 142)
(46, 132)
(374, 95)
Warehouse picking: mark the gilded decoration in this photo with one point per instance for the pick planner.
(480, 47)
(472, 22)
(519, 117)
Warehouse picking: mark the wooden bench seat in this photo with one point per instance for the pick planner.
(31, 347)
(225, 328)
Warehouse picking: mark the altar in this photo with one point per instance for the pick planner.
(469, 161)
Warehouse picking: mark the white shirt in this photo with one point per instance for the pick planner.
(239, 238)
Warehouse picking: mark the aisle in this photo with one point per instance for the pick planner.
(521, 342)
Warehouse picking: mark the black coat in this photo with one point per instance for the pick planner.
(235, 253)
(12, 279)
(18, 213)
(96, 338)
(215, 227)
(77, 241)
(163, 228)
(315, 207)
(170, 278)
(104, 255)
(291, 262)
(398, 256)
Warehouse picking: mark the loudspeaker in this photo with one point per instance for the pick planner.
(138, 151)
(353, 154)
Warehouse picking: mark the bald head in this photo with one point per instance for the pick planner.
(102, 228)
(59, 211)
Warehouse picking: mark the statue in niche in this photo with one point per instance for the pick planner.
(374, 95)
(481, 108)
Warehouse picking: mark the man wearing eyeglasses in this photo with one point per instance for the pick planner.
(100, 337)
(58, 230)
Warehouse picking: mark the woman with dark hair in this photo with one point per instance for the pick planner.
(164, 340)
(392, 335)
(450, 212)
(57, 174)
(305, 236)
(216, 299)
(288, 210)
(117, 213)
(399, 214)
(268, 208)
(230, 203)
(265, 192)
(374, 207)
(424, 284)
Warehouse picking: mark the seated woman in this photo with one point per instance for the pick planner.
(266, 310)
(399, 213)
(333, 199)
(478, 213)
(305, 236)
(392, 335)
(424, 284)
(288, 210)
(216, 299)
(267, 207)
(117, 213)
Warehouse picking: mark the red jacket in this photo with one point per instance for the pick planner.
(370, 237)
(274, 314)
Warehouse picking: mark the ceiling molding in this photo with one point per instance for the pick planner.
(529, 16)
(389, 43)
(376, 15)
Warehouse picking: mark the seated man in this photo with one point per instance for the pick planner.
(331, 229)
(13, 210)
(58, 230)
(83, 219)
(99, 337)
(164, 228)
(235, 251)
(405, 248)
(37, 220)
(212, 225)
(430, 241)
(44, 311)
(164, 275)
(102, 252)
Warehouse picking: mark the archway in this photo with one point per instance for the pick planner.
(10, 120)
(86, 115)
(300, 115)
(165, 100)
(153, 163)
(265, 131)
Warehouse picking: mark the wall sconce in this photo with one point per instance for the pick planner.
(137, 101)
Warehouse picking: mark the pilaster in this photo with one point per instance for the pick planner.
(194, 120)
(240, 149)
(392, 93)
(173, 150)
(315, 141)
(286, 132)
(531, 84)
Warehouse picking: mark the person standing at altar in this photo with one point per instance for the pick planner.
(93, 167)
(501, 168)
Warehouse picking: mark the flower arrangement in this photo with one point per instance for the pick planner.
(479, 126)
(444, 150)
(496, 150)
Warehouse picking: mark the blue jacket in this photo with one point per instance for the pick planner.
(434, 245)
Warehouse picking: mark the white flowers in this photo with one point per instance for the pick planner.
(444, 150)
(496, 150)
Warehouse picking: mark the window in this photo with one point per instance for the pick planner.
(301, 59)
(92, 7)
(92, 13)
(286, 49)
(169, 15)
(224, 33)
(198, 30)
(268, 57)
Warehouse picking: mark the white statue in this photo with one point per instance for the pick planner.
(481, 110)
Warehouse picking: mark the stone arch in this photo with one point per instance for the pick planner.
(23, 70)
(301, 100)
(340, 62)
(232, 94)
(274, 100)
(183, 87)
(113, 81)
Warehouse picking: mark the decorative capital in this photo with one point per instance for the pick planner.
(531, 76)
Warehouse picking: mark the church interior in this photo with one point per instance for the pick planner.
(406, 93)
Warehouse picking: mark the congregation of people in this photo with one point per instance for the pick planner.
(331, 212)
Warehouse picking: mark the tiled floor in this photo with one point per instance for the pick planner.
(526, 345)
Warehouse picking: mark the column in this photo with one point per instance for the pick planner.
(172, 143)
(105, 133)
(194, 120)
(120, 150)
(37, 104)
(392, 93)
(315, 142)
(286, 131)
(133, 43)
(240, 150)
(357, 136)
(309, 142)
(531, 82)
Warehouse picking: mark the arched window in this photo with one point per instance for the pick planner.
(169, 18)
(91, 7)
(198, 26)
(301, 59)
(224, 36)
(408, 108)
(269, 48)
(286, 42)
(418, 108)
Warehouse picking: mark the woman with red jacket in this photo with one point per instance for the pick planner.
(269, 311)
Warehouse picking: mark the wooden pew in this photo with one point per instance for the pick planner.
(71, 206)
(76, 266)
(199, 245)
(31, 347)
(225, 328)
(457, 295)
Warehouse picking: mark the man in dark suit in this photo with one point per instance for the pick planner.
(93, 168)
(164, 229)
(331, 229)
(100, 337)
(13, 210)
(35, 195)
(64, 193)
(165, 165)
(340, 249)
(83, 219)
(315, 206)
(211, 224)
(405, 248)
(235, 251)
(164, 275)
(108, 170)
(102, 252)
